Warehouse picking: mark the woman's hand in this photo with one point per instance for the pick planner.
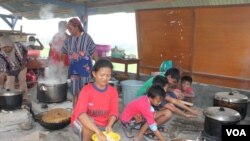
(101, 136)
(108, 129)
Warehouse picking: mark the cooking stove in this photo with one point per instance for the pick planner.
(10, 122)
(206, 137)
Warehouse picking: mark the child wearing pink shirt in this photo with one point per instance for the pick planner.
(142, 107)
(188, 92)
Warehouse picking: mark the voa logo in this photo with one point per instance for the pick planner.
(236, 132)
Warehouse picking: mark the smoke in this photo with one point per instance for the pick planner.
(46, 12)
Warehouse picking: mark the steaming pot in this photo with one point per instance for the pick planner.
(51, 92)
(233, 100)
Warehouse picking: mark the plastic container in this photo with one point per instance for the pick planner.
(117, 53)
(102, 50)
(130, 89)
(34, 53)
(113, 135)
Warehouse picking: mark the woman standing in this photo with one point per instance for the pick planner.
(80, 49)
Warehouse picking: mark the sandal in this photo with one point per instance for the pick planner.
(137, 127)
(162, 129)
(127, 131)
(151, 136)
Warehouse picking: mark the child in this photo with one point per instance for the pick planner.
(142, 107)
(97, 106)
(171, 102)
(173, 76)
(186, 82)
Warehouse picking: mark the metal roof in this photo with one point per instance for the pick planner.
(35, 9)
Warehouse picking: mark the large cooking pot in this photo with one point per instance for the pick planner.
(215, 117)
(11, 99)
(233, 100)
(51, 92)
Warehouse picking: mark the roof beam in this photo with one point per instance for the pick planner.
(57, 3)
(112, 3)
(13, 19)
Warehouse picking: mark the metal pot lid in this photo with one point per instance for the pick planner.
(10, 92)
(222, 114)
(233, 97)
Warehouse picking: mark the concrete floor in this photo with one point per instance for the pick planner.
(177, 127)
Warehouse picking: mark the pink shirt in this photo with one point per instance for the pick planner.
(189, 92)
(140, 106)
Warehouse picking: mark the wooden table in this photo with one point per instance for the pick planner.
(126, 62)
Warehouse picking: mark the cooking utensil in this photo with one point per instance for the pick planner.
(117, 53)
(11, 99)
(54, 126)
(215, 117)
(49, 126)
(51, 92)
(233, 100)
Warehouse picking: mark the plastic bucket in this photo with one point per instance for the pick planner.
(102, 50)
(114, 136)
(130, 89)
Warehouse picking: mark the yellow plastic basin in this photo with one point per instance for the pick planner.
(113, 135)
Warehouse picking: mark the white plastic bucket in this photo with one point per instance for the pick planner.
(129, 90)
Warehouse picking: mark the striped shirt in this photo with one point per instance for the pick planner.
(80, 51)
(83, 43)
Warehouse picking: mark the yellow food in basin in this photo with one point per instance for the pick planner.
(112, 136)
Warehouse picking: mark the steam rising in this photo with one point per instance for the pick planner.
(55, 73)
(46, 12)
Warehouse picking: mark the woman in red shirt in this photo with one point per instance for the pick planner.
(97, 106)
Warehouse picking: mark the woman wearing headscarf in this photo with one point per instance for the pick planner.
(13, 61)
(80, 49)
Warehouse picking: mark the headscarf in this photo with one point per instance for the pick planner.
(76, 23)
(6, 41)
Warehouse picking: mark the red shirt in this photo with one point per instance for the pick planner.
(98, 104)
(55, 49)
(139, 106)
